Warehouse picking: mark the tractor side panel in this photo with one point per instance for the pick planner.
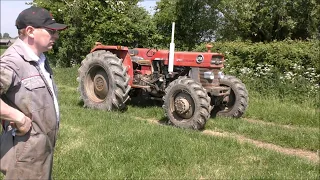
(195, 59)
(128, 63)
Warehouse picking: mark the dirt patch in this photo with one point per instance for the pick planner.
(274, 124)
(152, 121)
(309, 155)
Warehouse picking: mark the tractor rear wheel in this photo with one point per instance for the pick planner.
(103, 81)
(236, 103)
(186, 104)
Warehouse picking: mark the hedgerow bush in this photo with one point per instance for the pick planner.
(286, 69)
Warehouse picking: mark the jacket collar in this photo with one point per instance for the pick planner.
(24, 51)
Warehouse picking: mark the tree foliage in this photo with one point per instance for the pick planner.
(6, 36)
(123, 22)
(260, 20)
(107, 21)
(196, 21)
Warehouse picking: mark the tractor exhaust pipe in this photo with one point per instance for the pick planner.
(171, 52)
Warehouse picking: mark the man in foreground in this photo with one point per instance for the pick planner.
(28, 98)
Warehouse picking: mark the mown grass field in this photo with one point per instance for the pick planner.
(98, 144)
(95, 144)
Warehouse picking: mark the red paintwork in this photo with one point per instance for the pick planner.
(187, 59)
(105, 47)
(182, 58)
(146, 70)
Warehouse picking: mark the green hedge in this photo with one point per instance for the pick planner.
(286, 69)
(283, 55)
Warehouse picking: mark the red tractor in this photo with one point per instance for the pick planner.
(191, 84)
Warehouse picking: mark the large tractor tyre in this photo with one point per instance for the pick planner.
(236, 103)
(186, 104)
(103, 81)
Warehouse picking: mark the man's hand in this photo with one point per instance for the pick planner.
(16, 118)
(22, 126)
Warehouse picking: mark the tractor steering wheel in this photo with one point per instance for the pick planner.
(151, 52)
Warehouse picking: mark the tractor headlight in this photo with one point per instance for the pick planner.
(208, 75)
(220, 75)
(216, 60)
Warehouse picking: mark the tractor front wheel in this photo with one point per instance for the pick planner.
(235, 104)
(186, 104)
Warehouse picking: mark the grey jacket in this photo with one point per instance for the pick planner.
(24, 87)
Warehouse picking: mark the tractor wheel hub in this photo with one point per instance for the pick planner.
(181, 105)
(100, 86)
(99, 83)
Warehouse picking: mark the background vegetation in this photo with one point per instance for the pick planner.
(273, 46)
(197, 21)
(283, 69)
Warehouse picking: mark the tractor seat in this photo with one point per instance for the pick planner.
(136, 58)
(133, 52)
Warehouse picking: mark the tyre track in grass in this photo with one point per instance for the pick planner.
(255, 121)
(305, 154)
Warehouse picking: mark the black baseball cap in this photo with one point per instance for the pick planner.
(39, 18)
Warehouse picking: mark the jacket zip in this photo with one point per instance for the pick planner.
(48, 87)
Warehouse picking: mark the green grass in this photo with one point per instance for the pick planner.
(95, 144)
(272, 109)
(302, 138)
(2, 51)
(98, 144)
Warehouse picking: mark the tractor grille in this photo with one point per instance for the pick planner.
(217, 60)
(209, 82)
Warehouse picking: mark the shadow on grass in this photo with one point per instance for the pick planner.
(163, 121)
(80, 103)
(144, 101)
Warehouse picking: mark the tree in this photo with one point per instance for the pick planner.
(0, 35)
(109, 22)
(196, 21)
(260, 20)
(6, 36)
(165, 14)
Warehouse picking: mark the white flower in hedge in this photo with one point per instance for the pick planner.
(311, 69)
(289, 75)
(267, 69)
(245, 70)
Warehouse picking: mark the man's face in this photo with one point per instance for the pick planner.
(44, 39)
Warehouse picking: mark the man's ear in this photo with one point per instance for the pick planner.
(30, 31)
